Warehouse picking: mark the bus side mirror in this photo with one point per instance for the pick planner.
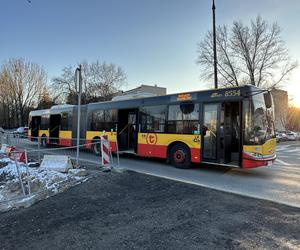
(268, 100)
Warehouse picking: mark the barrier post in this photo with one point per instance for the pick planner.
(118, 158)
(19, 175)
(105, 148)
(39, 150)
(111, 157)
(27, 172)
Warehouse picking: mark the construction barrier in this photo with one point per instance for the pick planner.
(18, 155)
(105, 151)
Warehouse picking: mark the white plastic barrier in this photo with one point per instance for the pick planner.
(105, 151)
(3, 148)
(60, 163)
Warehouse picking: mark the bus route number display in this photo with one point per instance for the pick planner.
(235, 92)
(184, 97)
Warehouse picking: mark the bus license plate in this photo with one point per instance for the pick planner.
(270, 163)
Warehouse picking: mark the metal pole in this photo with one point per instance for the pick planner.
(27, 172)
(20, 176)
(111, 157)
(79, 84)
(215, 44)
(117, 148)
(39, 150)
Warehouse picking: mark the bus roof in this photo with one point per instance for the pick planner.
(57, 109)
(39, 112)
(211, 95)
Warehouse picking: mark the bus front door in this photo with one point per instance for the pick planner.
(209, 132)
(220, 133)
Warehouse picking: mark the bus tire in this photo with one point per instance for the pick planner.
(44, 141)
(96, 146)
(180, 156)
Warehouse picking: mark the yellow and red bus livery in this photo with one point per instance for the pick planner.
(231, 126)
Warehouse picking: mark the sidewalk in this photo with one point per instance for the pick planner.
(136, 211)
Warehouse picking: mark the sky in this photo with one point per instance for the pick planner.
(154, 41)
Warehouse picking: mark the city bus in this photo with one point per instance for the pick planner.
(232, 127)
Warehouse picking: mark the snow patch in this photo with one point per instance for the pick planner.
(44, 182)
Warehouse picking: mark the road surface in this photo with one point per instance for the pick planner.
(279, 183)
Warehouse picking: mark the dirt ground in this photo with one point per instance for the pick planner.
(135, 211)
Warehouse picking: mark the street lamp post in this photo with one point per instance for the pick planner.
(215, 44)
(78, 83)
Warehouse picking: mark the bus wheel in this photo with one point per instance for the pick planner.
(96, 147)
(44, 141)
(180, 156)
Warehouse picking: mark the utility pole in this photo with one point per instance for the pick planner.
(78, 84)
(215, 44)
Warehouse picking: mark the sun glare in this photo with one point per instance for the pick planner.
(294, 97)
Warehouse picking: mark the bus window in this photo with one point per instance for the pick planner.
(153, 118)
(183, 118)
(45, 122)
(64, 121)
(104, 120)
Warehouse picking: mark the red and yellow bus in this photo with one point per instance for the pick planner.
(231, 127)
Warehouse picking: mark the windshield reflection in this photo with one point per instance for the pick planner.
(258, 121)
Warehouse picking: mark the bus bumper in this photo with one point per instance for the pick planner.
(254, 162)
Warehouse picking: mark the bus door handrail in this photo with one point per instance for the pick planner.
(54, 129)
(127, 125)
(211, 132)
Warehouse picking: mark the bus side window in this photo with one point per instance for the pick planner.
(153, 118)
(183, 118)
(64, 121)
(104, 120)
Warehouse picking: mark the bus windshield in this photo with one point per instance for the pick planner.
(258, 120)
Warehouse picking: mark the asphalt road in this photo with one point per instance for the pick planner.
(279, 183)
(136, 211)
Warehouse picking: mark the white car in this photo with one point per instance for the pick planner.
(278, 137)
(291, 136)
(21, 132)
(284, 136)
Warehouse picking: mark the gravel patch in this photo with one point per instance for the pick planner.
(136, 211)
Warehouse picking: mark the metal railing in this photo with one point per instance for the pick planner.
(34, 150)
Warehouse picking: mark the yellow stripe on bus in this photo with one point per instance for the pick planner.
(43, 132)
(193, 141)
(90, 135)
(65, 134)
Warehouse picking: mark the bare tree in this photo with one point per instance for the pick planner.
(254, 54)
(22, 84)
(100, 82)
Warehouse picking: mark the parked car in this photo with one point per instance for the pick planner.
(21, 131)
(279, 137)
(284, 135)
(291, 136)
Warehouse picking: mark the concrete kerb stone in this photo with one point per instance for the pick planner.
(118, 170)
(25, 201)
(29, 200)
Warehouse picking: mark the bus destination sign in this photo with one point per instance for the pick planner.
(184, 97)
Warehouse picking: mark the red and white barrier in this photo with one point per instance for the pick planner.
(105, 151)
(18, 155)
